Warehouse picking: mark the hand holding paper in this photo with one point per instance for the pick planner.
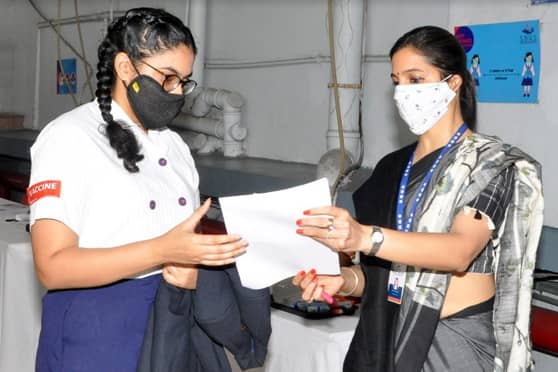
(268, 222)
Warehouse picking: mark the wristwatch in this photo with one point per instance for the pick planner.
(377, 238)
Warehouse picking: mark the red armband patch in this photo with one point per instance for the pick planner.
(42, 189)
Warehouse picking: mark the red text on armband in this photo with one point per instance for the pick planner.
(42, 189)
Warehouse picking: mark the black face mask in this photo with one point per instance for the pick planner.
(154, 107)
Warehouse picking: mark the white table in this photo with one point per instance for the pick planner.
(299, 344)
(20, 293)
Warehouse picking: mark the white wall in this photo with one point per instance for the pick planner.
(49, 104)
(531, 127)
(286, 106)
(287, 99)
(383, 131)
(17, 64)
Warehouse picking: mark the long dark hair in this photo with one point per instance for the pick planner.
(140, 33)
(445, 52)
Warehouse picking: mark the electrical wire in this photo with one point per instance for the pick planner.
(88, 70)
(59, 57)
(61, 37)
(336, 94)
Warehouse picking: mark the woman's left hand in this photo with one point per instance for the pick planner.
(336, 228)
(184, 276)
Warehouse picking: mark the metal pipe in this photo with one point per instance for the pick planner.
(227, 127)
(197, 19)
(222, 64)
(93, 17)
(37, 82)
(348, 27)
(209, 126)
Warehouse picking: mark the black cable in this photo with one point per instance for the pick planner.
(59, 35)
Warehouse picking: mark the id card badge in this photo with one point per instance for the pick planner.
(396, 283)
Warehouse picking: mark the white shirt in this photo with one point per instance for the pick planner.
(94, 195)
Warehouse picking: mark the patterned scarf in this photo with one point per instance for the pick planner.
(478, 159)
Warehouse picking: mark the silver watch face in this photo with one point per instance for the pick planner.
(377, 237)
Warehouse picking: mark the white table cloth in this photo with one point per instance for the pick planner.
(20, 293)
(313, 345)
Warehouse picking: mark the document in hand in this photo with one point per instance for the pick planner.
(268, 222)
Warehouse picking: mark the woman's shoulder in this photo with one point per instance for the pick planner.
(396, 157)
(388, 170)
(72, 128)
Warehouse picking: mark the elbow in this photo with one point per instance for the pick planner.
(46, 281)
(462, 262)
(464, 250)
(49, 280)
(461, 266)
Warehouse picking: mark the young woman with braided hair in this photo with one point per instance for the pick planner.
(114, 196)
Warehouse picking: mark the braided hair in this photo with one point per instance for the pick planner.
(140, 33)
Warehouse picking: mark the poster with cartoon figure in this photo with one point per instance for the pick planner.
(475, 69)
(510, 60)
(527, 73)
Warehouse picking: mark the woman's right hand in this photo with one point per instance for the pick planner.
(312, 285)
(183, 245)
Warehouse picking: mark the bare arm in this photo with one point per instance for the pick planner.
(60, 263)
(452, 251)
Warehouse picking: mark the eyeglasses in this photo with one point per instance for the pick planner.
(172, 81)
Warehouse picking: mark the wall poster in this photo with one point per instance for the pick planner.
(66, 70)
(535, 2)
(504, 59)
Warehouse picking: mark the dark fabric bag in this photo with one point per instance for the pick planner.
(189, 329)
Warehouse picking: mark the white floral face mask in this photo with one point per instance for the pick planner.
(422, 105)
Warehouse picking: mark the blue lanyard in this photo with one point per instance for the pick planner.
(405, 181)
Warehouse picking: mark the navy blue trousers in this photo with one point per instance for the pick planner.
(95, 329)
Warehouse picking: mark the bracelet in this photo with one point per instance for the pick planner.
(350, 293)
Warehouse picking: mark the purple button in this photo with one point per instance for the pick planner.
(152, 204)
(162, 162)
(182, 201)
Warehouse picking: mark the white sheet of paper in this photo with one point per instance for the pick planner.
(268, 222)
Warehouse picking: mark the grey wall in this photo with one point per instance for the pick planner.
(287, 105)
(17, 57)
(531, 127)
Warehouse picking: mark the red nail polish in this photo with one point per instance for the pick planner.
(313, 272)
(299, 222)
(299, 231)
(302, 273)
(306, 212)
